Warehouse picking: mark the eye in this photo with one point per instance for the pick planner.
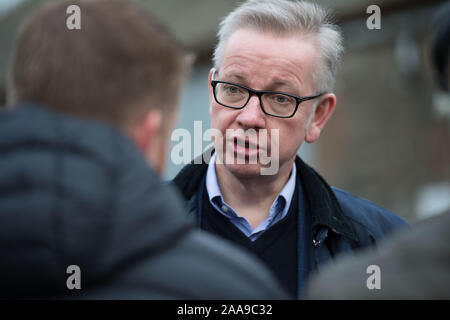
(232, 89)
(281, 99)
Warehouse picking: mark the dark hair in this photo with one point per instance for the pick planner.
(118, 66)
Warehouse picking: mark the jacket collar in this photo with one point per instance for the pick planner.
(324, 206)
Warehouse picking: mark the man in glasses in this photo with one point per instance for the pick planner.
(271, 90)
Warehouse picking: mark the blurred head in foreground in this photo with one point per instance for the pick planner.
(105, 70)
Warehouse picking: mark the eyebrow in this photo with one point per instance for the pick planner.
(237, 76)
(276, 85)
(279, 83)
(283, 84)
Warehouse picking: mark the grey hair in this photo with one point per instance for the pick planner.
(284, 17)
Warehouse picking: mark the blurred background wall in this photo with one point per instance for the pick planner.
(385, 142)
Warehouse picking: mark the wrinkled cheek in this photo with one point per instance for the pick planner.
(215, 117)
(289, 144)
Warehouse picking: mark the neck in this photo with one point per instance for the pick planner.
(252, 196)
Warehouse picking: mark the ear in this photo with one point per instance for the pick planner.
(210, 88)
(211, 72)
(322, 114)
(146, 131)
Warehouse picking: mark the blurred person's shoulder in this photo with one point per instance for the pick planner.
(411, 264)
(205, 266)
(82, 186)
(197, 266)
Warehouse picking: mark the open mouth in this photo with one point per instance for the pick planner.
(245, 149)
(245, 144)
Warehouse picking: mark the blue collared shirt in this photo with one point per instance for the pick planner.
(278, 209)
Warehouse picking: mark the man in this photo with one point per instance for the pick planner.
(413, 264)
(82, 213)
(273, 73)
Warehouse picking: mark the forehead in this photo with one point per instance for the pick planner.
(264, 57)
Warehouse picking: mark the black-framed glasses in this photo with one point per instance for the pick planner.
(273, 103)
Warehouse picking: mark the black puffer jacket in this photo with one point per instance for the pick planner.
(76, 192)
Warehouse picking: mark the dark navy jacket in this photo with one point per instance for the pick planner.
(339, 222)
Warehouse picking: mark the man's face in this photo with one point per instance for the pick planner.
(264, 61)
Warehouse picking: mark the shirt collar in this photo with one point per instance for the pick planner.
(212, 185)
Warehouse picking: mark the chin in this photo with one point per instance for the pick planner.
(244, 170)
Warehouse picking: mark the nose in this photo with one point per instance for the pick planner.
(252, 116)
